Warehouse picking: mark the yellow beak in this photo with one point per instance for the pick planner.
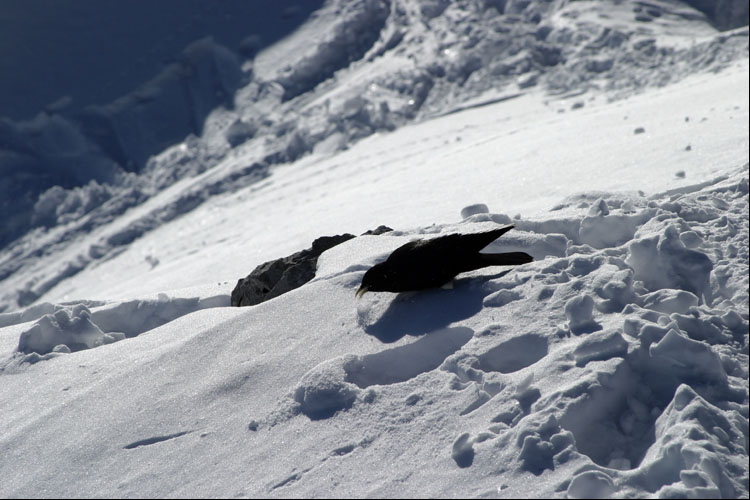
(362, 290)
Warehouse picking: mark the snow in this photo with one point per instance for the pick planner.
(614, 365)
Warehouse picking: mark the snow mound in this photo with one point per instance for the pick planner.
(323, 391)
(64, 332)
(60, 329)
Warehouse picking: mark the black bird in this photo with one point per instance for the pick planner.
(434, 262)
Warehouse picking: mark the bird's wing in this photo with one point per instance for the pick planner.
(407, 250)
(445, 246)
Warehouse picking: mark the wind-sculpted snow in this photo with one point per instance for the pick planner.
(64, 332)
(61, 329)
(355, 29)
(592, 354)
(590, 369)
(165, 110)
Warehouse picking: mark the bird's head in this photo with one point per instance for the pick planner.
(376, 279)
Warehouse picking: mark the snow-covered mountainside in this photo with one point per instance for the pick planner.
(354, 69)
(97, 50)
(613, 135)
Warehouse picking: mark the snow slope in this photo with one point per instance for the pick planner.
(614, 365)
(489, 149)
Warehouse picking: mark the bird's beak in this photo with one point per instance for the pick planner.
(362, 290)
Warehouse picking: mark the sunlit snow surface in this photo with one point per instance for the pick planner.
(615, 364)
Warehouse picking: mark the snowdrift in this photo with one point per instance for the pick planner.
(615, 364)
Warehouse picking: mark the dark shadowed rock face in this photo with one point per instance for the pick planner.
(724, 14)
(276, 277)
(378, 230)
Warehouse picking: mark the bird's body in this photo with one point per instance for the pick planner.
(430, 263)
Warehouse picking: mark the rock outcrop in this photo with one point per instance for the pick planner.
(277, 277)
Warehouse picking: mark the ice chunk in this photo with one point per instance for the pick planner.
(600, 346)
(663, 261)
(72, 329)
(238, 132)
(463, 451)
(670, 301)
(536, 454)
(615, 286)
(687, 446)
(701, 328)
(688, 358)
(599, 208)
(478, 208)
(591, 484)
(579, 311)
(601, 230)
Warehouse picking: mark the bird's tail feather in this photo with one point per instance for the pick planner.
(505, 259)
(478, 241)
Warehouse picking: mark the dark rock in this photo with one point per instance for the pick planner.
(724, 14)
(600, 65)
(546, 54)
(378, 230)
(239, 132)
(433, 8)
(277, 277)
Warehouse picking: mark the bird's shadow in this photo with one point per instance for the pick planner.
(418, 313)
